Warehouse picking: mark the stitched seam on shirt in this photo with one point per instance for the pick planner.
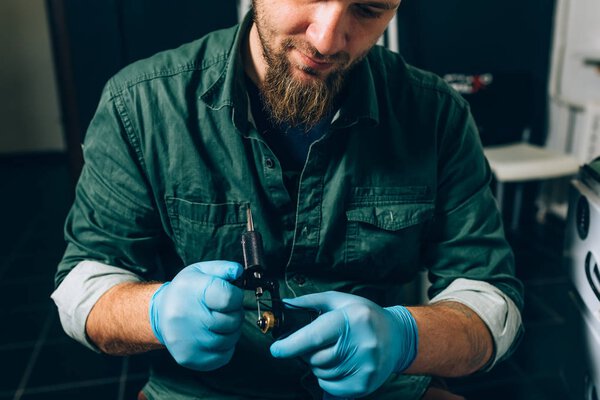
(213, 88)
(408, 222)
(215, 85)
(434, 87)
(321, 209)
(455, 117)
(130, 130)
(467, 201)
(167, 73)
(416, 76)
(455, 97)
(397, 201)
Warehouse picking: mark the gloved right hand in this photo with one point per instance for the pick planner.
(198, 315)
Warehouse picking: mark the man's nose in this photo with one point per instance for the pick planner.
(328, 32)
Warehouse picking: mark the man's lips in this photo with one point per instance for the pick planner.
(313, 64)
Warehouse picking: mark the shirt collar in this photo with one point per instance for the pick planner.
(229, 89)
(359, 98)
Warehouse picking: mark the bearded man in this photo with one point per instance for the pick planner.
(360, 172)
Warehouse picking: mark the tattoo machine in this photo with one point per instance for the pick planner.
(275, 318)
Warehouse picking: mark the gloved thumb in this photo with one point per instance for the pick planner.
(324, 302)
(227, 270)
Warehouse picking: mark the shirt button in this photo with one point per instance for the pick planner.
(299, 279)
(270, 163)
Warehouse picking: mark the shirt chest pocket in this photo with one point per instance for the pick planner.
(204, 231)
(383, 232)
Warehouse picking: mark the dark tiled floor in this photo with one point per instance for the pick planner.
(548, 363)
(38, 361)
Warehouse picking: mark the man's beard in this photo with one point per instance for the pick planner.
(293, 101)
(297, 102)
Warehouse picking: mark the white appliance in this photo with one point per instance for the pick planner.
(574, 92)
(582, 248)
(574, 87)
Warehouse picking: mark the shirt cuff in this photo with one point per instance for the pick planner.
(494, 307)
(81, 289)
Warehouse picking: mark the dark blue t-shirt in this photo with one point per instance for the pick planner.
(290, 144)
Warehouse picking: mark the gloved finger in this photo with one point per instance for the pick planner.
(325, 301)
(227, 270)
(322, 332)
(219, 342)
(338, 388)
(324, 358)
(328, 374)
(220, 295)
(218, 322)
(213, 359)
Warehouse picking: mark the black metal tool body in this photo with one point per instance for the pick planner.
(277, 319)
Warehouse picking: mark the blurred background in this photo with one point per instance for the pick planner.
(529, 69)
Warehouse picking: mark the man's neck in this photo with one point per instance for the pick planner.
(254, 62)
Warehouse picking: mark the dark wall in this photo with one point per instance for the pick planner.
(93, 39)
(507, 38)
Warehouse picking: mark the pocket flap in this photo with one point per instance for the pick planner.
(391, 217)
(207, 214)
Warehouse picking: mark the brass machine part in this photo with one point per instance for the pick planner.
(267, 322)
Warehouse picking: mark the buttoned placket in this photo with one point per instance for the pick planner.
(308, 217)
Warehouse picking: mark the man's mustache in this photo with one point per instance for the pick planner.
(339, 58)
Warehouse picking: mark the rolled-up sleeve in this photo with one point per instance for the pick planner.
(466, 253)
(80, 290)
(494, 307)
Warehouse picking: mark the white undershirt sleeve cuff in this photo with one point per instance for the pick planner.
(494, 307)
(81, 289)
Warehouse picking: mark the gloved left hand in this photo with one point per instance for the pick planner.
(355, 345)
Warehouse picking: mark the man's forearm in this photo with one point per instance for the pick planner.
(119, 323)
(453, 340)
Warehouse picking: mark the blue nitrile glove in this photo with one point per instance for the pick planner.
(198, 315)
(354, 346)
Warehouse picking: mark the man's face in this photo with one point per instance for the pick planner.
(302, 49)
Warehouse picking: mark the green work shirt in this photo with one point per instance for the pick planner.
(398, 184)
